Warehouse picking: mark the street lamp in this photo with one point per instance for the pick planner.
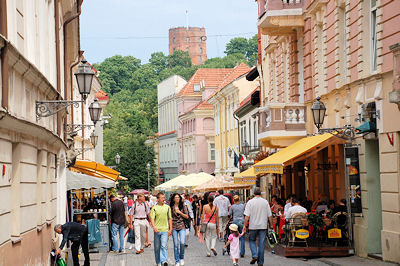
(84, 77)
(148, 177)
(117, 158)
(95, 111)
(94, 138)
(318, 112)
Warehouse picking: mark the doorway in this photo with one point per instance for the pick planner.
(374, 198)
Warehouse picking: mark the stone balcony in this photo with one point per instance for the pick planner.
(281, 124)
(279, 17)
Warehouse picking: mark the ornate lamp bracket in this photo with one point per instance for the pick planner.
(48, 108)
(79, 151)
(347, 132)
(73, 128)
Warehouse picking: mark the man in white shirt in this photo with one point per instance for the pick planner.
(258, 212)
(296, 208)
(289, 203)
(223, 204)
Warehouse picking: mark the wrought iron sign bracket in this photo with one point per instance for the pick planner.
(73, 128)
(82, 150)
(49, 108)
(347, 132)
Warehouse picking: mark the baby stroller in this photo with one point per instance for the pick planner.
(227, 232)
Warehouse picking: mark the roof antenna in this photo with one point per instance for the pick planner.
(187, 20)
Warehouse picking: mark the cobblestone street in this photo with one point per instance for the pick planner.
(195, 255)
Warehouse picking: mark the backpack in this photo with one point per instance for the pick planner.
(134, 208)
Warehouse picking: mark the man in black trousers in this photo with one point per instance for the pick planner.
(78, 234)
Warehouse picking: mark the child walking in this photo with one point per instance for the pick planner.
(233, 241)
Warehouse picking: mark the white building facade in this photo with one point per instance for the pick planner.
(168, 125)
(39, 52)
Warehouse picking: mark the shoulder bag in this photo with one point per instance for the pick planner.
(203, 226)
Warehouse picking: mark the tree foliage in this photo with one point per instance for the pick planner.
(245, 47)
(132, 88)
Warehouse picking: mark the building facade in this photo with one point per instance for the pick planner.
(168, 124)
(192, 40)
(196, 121)
(340, 51)
(40, 51)
(226, 100)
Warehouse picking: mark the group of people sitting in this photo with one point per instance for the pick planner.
(294, 205)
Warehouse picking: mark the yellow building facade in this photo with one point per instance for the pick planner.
(225, 101)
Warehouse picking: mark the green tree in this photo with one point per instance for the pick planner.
(243, 46)
(179, 58)
(159, 61)
(144, 78)
(237, 45)
(115, 72)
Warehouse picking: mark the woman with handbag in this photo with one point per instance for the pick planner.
(179, 214)
(209, 226)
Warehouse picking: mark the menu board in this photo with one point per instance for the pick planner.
(353, 173)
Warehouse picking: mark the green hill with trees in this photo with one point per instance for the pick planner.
(132, 88)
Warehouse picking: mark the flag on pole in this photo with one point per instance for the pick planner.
(236, 160)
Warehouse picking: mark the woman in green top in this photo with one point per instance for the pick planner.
(179, 214)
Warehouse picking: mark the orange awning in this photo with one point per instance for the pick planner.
(96, 169)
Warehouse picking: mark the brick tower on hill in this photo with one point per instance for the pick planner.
(191, 39)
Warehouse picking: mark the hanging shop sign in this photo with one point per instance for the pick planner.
(302, 234)
(334, 233)
(353, 174)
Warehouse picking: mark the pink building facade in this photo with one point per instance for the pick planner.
(339, 50)
(196, 131)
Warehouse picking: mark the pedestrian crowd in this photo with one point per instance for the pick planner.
(213, 217)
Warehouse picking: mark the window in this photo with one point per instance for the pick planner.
(196, 87)
(373, 36)
(174, 40)
(255, 133)
(187, 39)
(201, 50)
(249, 132)
(193, 153)
(199, 58)
(212, 151)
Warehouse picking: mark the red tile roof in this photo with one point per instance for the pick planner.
(101, 95)
(168, 133)
(212, 79)
(230, 76)
(236, 72)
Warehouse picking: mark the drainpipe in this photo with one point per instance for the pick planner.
(4, 54)
(237, 119)
(182, 150)
(65, 55)
(58, 60)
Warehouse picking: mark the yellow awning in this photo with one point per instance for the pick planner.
(96, 169)
(246, 177)
(276, 162)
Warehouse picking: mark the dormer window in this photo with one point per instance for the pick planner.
(196, 87)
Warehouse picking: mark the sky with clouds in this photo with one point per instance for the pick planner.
(140, 27)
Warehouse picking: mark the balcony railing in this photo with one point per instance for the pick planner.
(264, 5)
(282, 117)
(277, 17)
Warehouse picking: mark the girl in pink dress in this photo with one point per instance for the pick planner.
(233, 241)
